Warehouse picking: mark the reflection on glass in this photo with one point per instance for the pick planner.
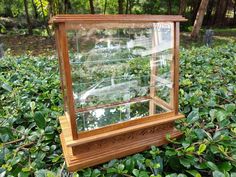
(96, 118)
(114, 65)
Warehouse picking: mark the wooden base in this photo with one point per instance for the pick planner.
(90, 153)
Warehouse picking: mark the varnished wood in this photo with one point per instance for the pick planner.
(163, 104)
(128, 129)
(120, 125)
(100, 151)
(176, 69)
(67, 71)
(115, 18)
(61, 67)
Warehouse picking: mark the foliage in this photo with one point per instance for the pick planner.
(30, 103)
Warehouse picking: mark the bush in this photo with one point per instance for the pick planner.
(30, 103)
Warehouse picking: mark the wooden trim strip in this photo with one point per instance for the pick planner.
(96, 18)
(176, 68)
(121, 131)
(125, 124)
(69, 92)
(162, 103)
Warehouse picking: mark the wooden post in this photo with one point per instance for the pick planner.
(176, 68)
(70, 99)
(61, 67)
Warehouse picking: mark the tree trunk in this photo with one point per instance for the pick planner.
(199, 18)
(44, 18)
(234, 11)
(7, 8)
(50, 8)
(120, 6)
(208, 18)
(130, 6)
(195, 7)
(182, 7)
(105, 7)
(127, 7)
(92, 11)
(67, 6)
(169, 7)
(221, 10)
(35, 10)
(28, 18)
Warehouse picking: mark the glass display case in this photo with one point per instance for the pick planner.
(119, 78)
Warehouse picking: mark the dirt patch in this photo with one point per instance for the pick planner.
(25, 44)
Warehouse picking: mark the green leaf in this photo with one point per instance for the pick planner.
(194, 173)
(212, 166)
(225, 166)
(193, 116)
(201, 149)
(218, 174)
(111, 170)
(181, 175)
(7, 87)
(5, 134)
(170, 152)
(190, 149)
(221, 115)
(96, 173)
(233, 174)
(230, 107)
(39, 119)
(121, 167)
(185, 162)
(135, 172)
(143, 174)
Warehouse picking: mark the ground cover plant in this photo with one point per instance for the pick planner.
(30, 103)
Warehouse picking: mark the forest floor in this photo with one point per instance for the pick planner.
(40, 45)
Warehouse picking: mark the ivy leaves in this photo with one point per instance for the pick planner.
(30, 103)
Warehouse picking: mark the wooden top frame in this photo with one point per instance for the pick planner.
(115, 18)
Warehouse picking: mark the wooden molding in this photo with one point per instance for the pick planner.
(93, 150)
(98, 151)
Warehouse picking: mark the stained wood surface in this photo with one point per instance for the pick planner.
(101, 151)
(115, 129)
(62, 42)
(176, 68)
(115, 18)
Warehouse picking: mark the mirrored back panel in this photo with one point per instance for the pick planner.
(120, 71)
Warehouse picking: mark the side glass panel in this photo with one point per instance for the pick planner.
(120, 71)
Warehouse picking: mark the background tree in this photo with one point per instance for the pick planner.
(120, 6)
(28, 17)
(182, 7)
(221, 12)
(91, 7)
(199, 18)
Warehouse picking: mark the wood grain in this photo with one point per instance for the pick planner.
(115, 18)
(67, 74)
(176, 69)
(100, 151)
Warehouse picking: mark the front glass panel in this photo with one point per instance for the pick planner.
(120, 71)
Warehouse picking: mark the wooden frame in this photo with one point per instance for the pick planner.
(96, 146)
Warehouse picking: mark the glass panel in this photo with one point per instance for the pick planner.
(92, 119)
(117, 68)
